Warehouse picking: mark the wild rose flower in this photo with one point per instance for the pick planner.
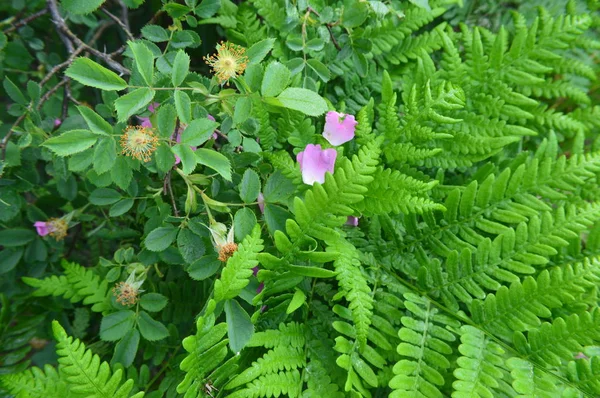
(127, 292)
(339, 127)
(315, 162)
(145, 121)
(222, 240)
(352, 221)
(55, 227)
(229, 61)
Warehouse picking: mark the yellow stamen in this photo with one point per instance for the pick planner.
(139, 142)
(229, 61)
(58, 228)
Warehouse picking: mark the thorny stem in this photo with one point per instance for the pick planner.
(25, 21)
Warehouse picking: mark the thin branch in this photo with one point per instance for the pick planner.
(125, 14)
(60, 24)
(25, 21)
(10, 132)
(118, 22)
(328, 26)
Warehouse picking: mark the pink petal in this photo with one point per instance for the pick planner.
(178, 139)
(57, 122)
(339, 128)
(42, 228)
(261, 202)
(260, 287)
(352, 221)
(315, 162)
(152, 107)
(210, 117)
(145, 122)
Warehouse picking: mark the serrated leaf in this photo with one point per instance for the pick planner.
(187, 157)
(116, 325)
(249, 186)
(144, 60)
(160, 238)
(126, 349)
(155, 33)
(181, 67)
(259, 50)
(71, 142)
(104, 197)
(215, 161)
(90, 73)
(105, 155)
(133, 102)
(150, 329)
(303, 100)
(81, 6)
(198, 132)
(239, 326)
(275, 80)
(320, 69)
(95, 122)
(153, 302)
(121, 207)
(183, 104)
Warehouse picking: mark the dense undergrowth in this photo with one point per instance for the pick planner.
(308, 199)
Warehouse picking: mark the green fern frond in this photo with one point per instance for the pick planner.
(84, 373)
(274, 384)
(529, 381)
(238, 270)
(77, 284)
(424, 347)
(585, 373)
(35, 383)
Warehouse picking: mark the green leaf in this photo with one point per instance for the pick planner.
(150, 329)
(244, 221)
(16, 237)
(275, 217)
(133, 102)
(126, 349)
(183, 104)
(104, 197)
(89, 73)
(239, 326)
(121, 207)
(9, 259)
(191, 246)
(105, 155)
(297, 301)
(355, 13)
(144, 60)
(164, 157)
(71, 142)
(155, 33)
(207, 8)
(198, 132)
(215, 161)
(320, 69)
(14, 93)
(95, 122)
(204, 268)
(161, 238)
(242, 110)
(166, 119)
(303, 100)
(276, 78)
(187, 156)
(81, 6)
(313, 272)
(121, 173)
(259, 50)
(422, 3)
(153, 302)
(278, 188)
(116, 325)
(250, 186)
(181, 67)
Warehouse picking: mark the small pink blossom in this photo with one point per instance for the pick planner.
(215, 135)
(339, 127)
(261, 202)
(57, 122)
(315, 162)
(352, 221)
(42, 227)
(145, 121)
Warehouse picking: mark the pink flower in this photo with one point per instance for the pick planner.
(339, 127)
(262, 284)
(261, 202)
(57, 122)
(42, 228)
(145, 121)
(352, 221)
(315, 162)
(215, 135)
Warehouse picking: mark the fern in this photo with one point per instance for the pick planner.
(77, 284)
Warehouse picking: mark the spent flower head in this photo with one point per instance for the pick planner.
(229, 61)
(222, 240)
(139, 142)
(55, 227)
(127, 292)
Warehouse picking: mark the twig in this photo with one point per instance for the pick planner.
(125, 15)
(119, 22)
(62, 27)
(10, 132)
(328, 26)
(49, 93)
(25, 21)
(58, 22)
